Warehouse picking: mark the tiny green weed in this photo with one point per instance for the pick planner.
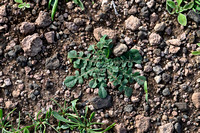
(102, 68)
(22, 5)
(40, 124)
(146, 91)
(54, 5)
(176, 7)
(77, 121)
(196, 52)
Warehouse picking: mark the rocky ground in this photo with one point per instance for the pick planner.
(34, 64)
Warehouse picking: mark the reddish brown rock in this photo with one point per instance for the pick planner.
(32, 44)
(196, 99)
(142, 123)
(27, 28)
(99, 32)
(43, 19)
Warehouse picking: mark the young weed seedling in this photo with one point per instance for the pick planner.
(146, 91)
(41, 123)
(54, 4)
(196, 52)
(22, 5)
(102, 69)
(77, 121)
(176, 7)
(196, 5)
(4, 124)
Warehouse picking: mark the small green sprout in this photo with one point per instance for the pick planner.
(196, 52)
(76, 121)
(22, 5)
(175, 7)
(146, 91)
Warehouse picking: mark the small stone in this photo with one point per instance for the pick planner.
(148, 68)
(181, 106)
(50, 37)
(16, 93)
(167, 128)
(7, 82)
(196, 99)
(22, 61)
(178, 127)
(3, 10)
(150, 4)
(79, 21)
(142, 35)
(128, 40)
(154, 39)
(160, 27)
(119, 49)
(153, 17)
(132, 23)
(157, 69)
(157, 79)
(173, 49)
(52, 62)
(145, 12)
(134, 99)
(128, 108)
(99, 32)
(71, 26)
(166, 92)
(119, 128)
(88, 28)
(32, 44)
(165, 77)
(43, 19)
(99, 103)
(194, 16)
(9, 104)
(175, 42)
(27, 28)
(142, 123)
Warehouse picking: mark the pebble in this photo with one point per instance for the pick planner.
(166, 92)
(128, 108)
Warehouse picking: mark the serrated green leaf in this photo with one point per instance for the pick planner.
(80, 80)
(80, 54)
(77, 73)
(182, 19)
(91, 48)
(121, 88)
(198, 44)
(128, 91)
(72, 54)
(70, 81)
(93, 83)
(102, 92)
(125, 81)
(115, 69)
(140, 79)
